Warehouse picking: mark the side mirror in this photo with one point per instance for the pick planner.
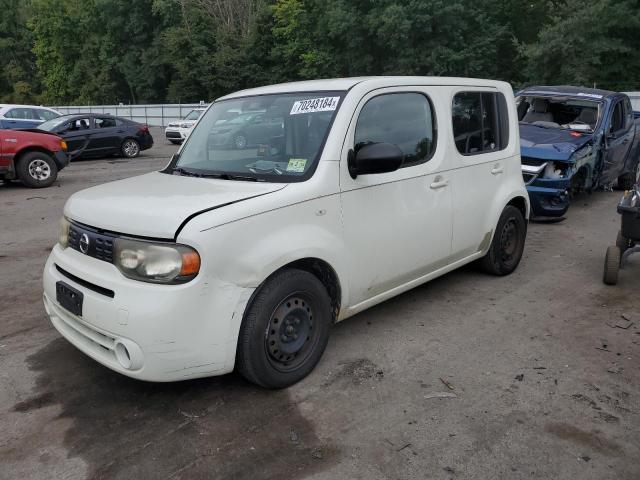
(375, 158)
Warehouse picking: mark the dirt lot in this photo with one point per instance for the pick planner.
(467, 377)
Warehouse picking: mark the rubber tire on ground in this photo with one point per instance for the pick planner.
(22, 169)
(252, 358)
(124, 153)
(176, 142)
(611, 266)
(492, 262)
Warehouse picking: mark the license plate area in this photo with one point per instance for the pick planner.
(69, 297)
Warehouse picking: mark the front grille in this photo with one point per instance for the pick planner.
(100, 245)
(174, 135)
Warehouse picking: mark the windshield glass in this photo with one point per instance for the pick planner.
(275, 138)
(51, 125)
(559, 112)
(193, 115)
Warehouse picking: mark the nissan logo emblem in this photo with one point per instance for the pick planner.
(84, 243)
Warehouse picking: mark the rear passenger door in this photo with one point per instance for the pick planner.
(480, 132)
(619, 140)
(397, 225)
(105, 137)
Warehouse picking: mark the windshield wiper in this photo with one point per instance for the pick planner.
(229, 176)
(185, 172)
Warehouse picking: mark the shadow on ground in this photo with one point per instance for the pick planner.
(222, 428)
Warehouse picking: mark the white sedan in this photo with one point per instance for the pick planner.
(176, 132)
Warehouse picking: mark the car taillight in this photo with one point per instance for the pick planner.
(63, 144)
(144, 129)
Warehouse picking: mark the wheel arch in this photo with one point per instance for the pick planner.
(521, 204)
(324, 272)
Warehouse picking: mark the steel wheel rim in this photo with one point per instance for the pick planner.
(130, 148)
(292, 333)
(509, 241)
(240, 141)
(39, 169)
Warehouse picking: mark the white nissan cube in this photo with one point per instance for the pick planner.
(351, 191)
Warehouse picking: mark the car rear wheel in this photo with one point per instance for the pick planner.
(628, 180)
(285, 329)
(37, 169)
(507, 245)
(130, 148)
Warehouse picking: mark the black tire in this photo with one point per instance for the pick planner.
(239, 141)
(507, 245)
(611, 266)
(37, 169)
(627, 181)
(272, 349)
(130, 148)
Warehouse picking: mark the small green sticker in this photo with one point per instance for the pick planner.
(296, 165)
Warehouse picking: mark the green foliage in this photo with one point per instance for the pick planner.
(105, 51)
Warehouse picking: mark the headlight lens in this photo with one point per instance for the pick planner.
(185, 125)
(156, 262)
(63, 232)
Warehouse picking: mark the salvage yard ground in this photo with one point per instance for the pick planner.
(535, 375)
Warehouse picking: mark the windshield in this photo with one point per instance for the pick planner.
(51, 125)
(193, 115)
(275, 138)
(559, 112)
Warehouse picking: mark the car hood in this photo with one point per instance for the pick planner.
(550, 143)
(156, 204)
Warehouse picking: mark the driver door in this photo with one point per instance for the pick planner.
(397, 225)
(619, 140)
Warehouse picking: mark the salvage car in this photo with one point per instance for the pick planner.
(244, 258)
(25, 116)
(176, 132)
(33, 157)
(90, 135)
(574, 139)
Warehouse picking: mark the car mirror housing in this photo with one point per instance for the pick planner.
(375, 158)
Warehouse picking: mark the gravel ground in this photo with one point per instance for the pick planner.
(466, 377)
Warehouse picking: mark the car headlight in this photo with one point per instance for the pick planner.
(185, 125)
(156, 262)
(63, 232)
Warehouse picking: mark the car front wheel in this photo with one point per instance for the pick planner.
(285, 329)
(507, 245)
(130, 148)
(37, 170)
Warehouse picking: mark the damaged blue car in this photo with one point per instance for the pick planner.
(575, 139)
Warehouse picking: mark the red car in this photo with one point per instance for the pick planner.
(33, 157)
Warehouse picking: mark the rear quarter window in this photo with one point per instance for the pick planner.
(480, 122)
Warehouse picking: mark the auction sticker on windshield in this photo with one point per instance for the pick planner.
(296, 165)
(323, 104)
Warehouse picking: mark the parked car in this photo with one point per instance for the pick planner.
(100, 135)
(574, 139)
(245, 258)
(24, 116)
(247, 130)
(33, 157)
(176, 132)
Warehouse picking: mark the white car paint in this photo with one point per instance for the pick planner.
(179, 130)
(382, 234)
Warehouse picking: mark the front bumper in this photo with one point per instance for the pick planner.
(549, 197)
(61, 158)
(172, 332)
(176, 134)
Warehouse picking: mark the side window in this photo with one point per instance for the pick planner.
(480, 122)
(44, 114)
(628, 114)
(20, 114)
(617, 118)
(403, 119)
(105, 122)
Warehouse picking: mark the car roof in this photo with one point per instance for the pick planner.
(567, 91)
(344, 84)
(16, 105)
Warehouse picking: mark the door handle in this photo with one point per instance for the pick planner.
(439, 182)
(497, 169)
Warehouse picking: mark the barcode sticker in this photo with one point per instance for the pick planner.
(324, 104)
